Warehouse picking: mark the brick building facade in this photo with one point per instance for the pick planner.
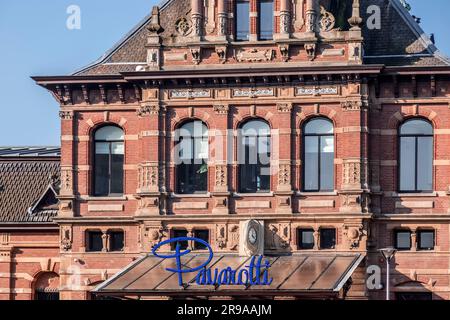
(354, 119)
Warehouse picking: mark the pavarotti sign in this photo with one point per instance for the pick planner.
(256, 273)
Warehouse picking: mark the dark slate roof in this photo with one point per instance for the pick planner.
(29, 152)
(399, 42)
(24, 186)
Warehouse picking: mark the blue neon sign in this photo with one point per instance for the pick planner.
(257, 273)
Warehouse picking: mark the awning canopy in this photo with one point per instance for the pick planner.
(296, 275)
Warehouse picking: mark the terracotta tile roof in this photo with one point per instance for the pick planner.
(24, 182)
(400, 41)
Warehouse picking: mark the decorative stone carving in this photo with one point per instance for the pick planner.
(221, 109)
(66, 180)
(66, 238)
(355, 21)
(221, 176)
(190, 94)
(153, 58)
(279, 236)
(223, 23)
(354, 233)
(233, 237)
(196, 55)
(148, 109)
(327, 20)
(353, 105)
(254, 55)
(284, 50)
(221, 236)
(311, 18)
(154, 26)
(222, 54)
(311, 50)
(65, 208)
(183, 27)
(4, 239)
(148, 175)
(66, 115)
(196, 20)
(253, 93)
(284, 107)
(316, 91)
(355, 174)
(285, 22)
(284, 175)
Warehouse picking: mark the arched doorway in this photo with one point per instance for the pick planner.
(46, 287)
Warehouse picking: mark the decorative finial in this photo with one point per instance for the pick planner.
(406, 5)
(154, 26)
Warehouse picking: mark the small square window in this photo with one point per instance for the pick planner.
(305, 239)
(179, 234)
(116, 241)
(403, 240)
(95, 241)
(203, 235)
(327, 238)
(425, 240)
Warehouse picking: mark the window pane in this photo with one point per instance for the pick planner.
(407, 163)
(306, 239)
(201, 148)
(101, 171)
(327, 238)
(266, 20)
(203, 235)
(255, 127)
(179, 234)
(263, 178)
(417, 127)
(311, 165)
(242, 20)
(319, 126)
(116, 241)
(117, 148)
(116, 174)
(327, 163)
(426, 240)
(109, 133)
(403, 240)
(95, 243)
(425, 163)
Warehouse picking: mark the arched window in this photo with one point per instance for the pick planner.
(254, 157)
(416, 156)
(318, 155)
(192, 152)
(108, 161)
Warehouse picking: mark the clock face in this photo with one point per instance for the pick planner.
(252, 235)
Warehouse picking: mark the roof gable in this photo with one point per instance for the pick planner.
(399, 41)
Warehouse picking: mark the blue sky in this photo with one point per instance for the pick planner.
(35, 41)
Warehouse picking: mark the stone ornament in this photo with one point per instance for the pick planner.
(254, 55)
(148, 109)
(66, 115)
(311, 50)
(327, 20)
(183, 27)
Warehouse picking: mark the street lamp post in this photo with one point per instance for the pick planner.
(388, 254)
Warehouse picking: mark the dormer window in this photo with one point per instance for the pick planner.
(266, 19)
(242, 20)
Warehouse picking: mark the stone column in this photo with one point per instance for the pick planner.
(312, 13)
(222, 11)
(150, 169)
(281, 144)
(220, 190)
(67, 194)
(196, 19)
(285, 19)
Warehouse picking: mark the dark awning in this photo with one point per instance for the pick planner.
(321, 275)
